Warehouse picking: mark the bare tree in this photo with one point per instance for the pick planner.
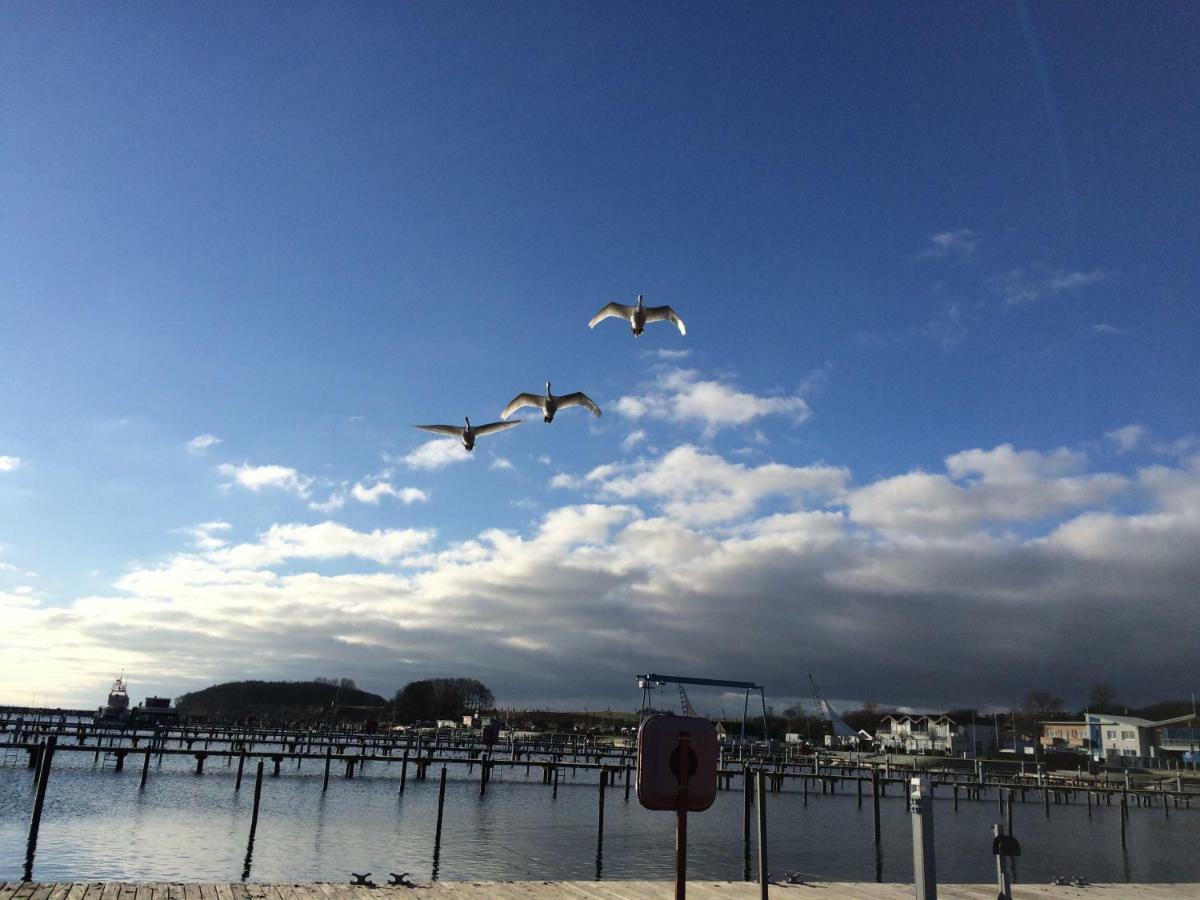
(1102, 698)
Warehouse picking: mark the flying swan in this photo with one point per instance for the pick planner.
(638, 316)
(549, 404)
(467, 432)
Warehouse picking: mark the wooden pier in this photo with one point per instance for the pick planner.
(574, 890)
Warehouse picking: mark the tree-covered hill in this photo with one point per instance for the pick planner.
(277, 700)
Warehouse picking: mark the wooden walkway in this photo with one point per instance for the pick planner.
(573, 890)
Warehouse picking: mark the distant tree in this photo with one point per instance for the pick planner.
(441, 698)
(1102, 698)
(347, 684)
(1042, 704)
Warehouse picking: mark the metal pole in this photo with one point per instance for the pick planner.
(924, 870)
(760, 782)
(746, 796)
(1002, 880)
(681, 811)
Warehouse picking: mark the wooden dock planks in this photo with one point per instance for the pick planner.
(614, 889)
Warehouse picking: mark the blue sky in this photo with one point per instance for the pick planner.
(902, 238)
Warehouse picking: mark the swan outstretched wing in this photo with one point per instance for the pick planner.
(497, 426)
(521, 400)
(455, 430)
(665, 314)
(613, 309)
(578, 399)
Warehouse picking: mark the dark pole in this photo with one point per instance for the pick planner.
(145, 768)
(441, 802)
(35, 820)
(761, 780)
(403, 769)
(237, 785)
(253, 820)
(746, 822)
(875, 801)
(328, 759)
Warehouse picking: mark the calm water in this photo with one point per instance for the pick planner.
(98, 825)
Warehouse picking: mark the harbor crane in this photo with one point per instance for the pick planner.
(652, 680)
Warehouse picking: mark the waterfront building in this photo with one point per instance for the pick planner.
(936, 734)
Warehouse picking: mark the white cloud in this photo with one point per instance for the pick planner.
(8, 567)
(9, 463)
(698, 487)
(437, 454)
(671, 558)
(565, 480)
(1002, 485)
(372, 494)
(1020, 286)
(632, 439)
(681, 395)
(327, 540)
(960, 242)
(672, 355)
(256, 478)
(202, 442)
(204, 534)
(500, 463)
(1127, 438)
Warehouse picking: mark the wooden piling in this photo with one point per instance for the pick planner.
(437, 839)
(328, 760)
(35, 820)
(600, 814)
(746, 821)
(762, 834)
(258, 779)
(237, 784)
(875, 802)
(403, 769)
(145, 768)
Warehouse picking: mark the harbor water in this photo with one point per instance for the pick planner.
(99, 825)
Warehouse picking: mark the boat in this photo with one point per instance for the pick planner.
(117, 708)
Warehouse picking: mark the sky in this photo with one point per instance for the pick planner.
(931, 435)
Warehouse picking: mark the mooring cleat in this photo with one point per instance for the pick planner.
(401, 880)
(1079, 881)
(363, 880)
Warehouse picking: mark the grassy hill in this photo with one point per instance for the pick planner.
(279, 700)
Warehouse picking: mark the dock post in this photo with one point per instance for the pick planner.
(237, 784)
(746, 821)
(258, 778)
(760, 784)
(1046, 799)
(39, 800)
(875, 802)
(554, 793)
(437, 839)
(859, 781)
(600, 815)
(627, 784)
(483, 772)
(924, 868)
(1010, 812)
(145, 767)
(1002, 881)
(403, 769)
(328, 760)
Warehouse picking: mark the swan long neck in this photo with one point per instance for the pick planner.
(467, 419)
(639, 301)
(548, 389)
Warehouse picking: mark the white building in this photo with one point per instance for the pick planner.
(936, 734)
(1113, 737)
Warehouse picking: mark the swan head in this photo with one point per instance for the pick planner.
(639, 300)
(547, 389)
(467, 419)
